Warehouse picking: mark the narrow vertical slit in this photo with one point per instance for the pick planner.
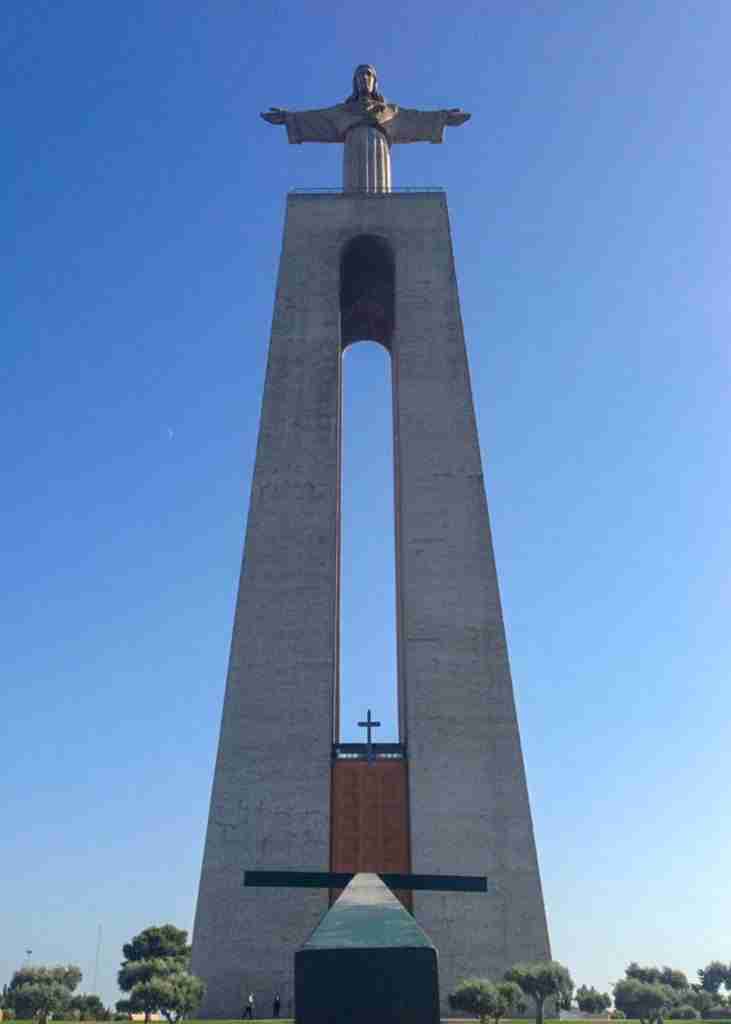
(368, 659)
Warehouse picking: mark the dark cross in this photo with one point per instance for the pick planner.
(367, 942)
(339, 880)
(369, 724)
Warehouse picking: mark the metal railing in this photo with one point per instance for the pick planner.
(363, 191)
(365, 751)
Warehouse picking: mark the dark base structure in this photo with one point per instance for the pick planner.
(367, 961)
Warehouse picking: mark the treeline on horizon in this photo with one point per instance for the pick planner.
(647, 994)
(155, 977)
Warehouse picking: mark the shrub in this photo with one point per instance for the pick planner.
(718, 1013)
(699, 999)
(590, 1001)
(683, 1012)
(90, 1007)
(475, 995)
(618, 1015)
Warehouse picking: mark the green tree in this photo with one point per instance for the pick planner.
(176, 995)
(643, 1000)
(40, 999)
(699, 999)
(90, 1007)
(589, 1000)
(41, 991)
(143, 998)
(488, 1000)
(650, 975)
(158, 942)
(138, 972)
(511, 999)
(674, 979)
(713, 975)
(542, 980)
(477, 996)
(153, 955)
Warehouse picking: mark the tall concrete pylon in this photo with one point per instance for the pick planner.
(451, 797)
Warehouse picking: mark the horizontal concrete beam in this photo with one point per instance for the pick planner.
(340, 879)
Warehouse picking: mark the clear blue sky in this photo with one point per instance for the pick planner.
(143, 208)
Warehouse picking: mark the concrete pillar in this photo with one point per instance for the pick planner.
(467, 791)
(270, 805)
(468, 801)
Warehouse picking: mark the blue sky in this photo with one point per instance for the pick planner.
(144, 204)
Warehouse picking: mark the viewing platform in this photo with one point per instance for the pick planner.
(367, 192)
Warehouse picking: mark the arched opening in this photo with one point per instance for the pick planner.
(368, 657)
(367, 291)
(368, 653)
(369, 796)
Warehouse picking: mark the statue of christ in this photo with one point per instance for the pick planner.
(368, 126)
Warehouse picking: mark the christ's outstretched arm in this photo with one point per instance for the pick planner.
(306, 125)
(424, 125)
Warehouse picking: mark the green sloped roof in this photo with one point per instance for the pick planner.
(367, 915)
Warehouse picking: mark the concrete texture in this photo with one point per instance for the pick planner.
(468, 801)
(270, 805)
(467, 791)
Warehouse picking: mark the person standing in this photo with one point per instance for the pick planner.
(249, 1008)
(276, 1005)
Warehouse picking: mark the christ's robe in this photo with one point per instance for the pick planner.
(368, 129)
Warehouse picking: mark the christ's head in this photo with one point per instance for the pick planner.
(365, 83)
(365, 79)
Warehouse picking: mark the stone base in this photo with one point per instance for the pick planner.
(363, 986)
(367, 961)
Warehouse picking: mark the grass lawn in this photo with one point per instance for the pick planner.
(288, 1020)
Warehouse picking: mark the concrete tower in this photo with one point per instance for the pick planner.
(451, 796)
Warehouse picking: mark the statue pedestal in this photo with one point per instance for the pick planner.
(358, 266)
